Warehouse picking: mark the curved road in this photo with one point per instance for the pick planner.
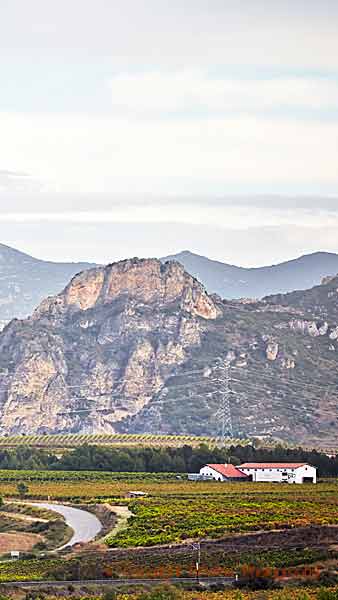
(85, 525)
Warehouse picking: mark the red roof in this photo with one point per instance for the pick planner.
(228, 471)
(281, 465)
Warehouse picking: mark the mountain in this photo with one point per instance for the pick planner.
(139, 346)
(25, 281)
(230, 281)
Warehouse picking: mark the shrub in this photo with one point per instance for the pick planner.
(255, 582)
(163, 592)
(109, 595)
(324, 594)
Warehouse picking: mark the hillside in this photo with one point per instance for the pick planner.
(137, 347)
(319, 301)
(230, 281)
(25, 281)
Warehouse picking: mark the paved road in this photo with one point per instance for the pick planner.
(85, 525)
(118, 582)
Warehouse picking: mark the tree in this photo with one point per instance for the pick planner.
(234, 460)
(22, 489)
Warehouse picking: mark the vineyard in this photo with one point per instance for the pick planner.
(7, 475)
(96, 485)
(173, 519)
(113, 439)
(236, 523)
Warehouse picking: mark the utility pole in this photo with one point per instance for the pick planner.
(197, 547)
(223, 413)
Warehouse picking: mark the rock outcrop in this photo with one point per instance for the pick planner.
(99, 351)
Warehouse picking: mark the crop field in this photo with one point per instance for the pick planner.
(93, 485)
(8, 475)
(300, 593)
(220, 512)
(114, 439)
(236, 524)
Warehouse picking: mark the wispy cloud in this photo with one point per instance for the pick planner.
(12, 174)
(193, 91)
(18, 181)
(201, 155)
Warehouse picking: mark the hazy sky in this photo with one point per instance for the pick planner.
(142, 127)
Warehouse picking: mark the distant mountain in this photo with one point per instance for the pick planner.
(25, 281)
(138, 346)
(230, 281)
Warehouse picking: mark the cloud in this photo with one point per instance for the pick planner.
(148, 32)
(18, 181)
(74, 206)
(106, 242)
(12, 174)
(213, 156)
(227, 214)
(193, 91)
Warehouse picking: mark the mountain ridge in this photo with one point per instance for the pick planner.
(231, 281)
(137, 346)
(26, 280)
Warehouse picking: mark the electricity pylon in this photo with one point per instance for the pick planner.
(223, 413)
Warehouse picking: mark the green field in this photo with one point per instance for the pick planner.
(114, 439)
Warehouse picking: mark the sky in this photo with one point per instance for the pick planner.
(146, 127)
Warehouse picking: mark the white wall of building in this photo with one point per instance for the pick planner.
(276, 475)
(209, 471)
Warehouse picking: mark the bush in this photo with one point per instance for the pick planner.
(327, 578)
(22, 489)
(163, 592)
(324, 594)
(109, 595)
(256, 583)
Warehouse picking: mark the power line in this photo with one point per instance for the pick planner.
(264, 375)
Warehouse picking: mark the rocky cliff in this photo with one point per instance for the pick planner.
(99, 351)
(138, 346)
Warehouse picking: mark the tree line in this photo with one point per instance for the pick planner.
(185, 459)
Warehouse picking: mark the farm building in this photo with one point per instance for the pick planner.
(223, 473)
(280, 472)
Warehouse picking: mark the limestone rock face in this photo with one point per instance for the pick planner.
(99, 351)
(272, 351)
